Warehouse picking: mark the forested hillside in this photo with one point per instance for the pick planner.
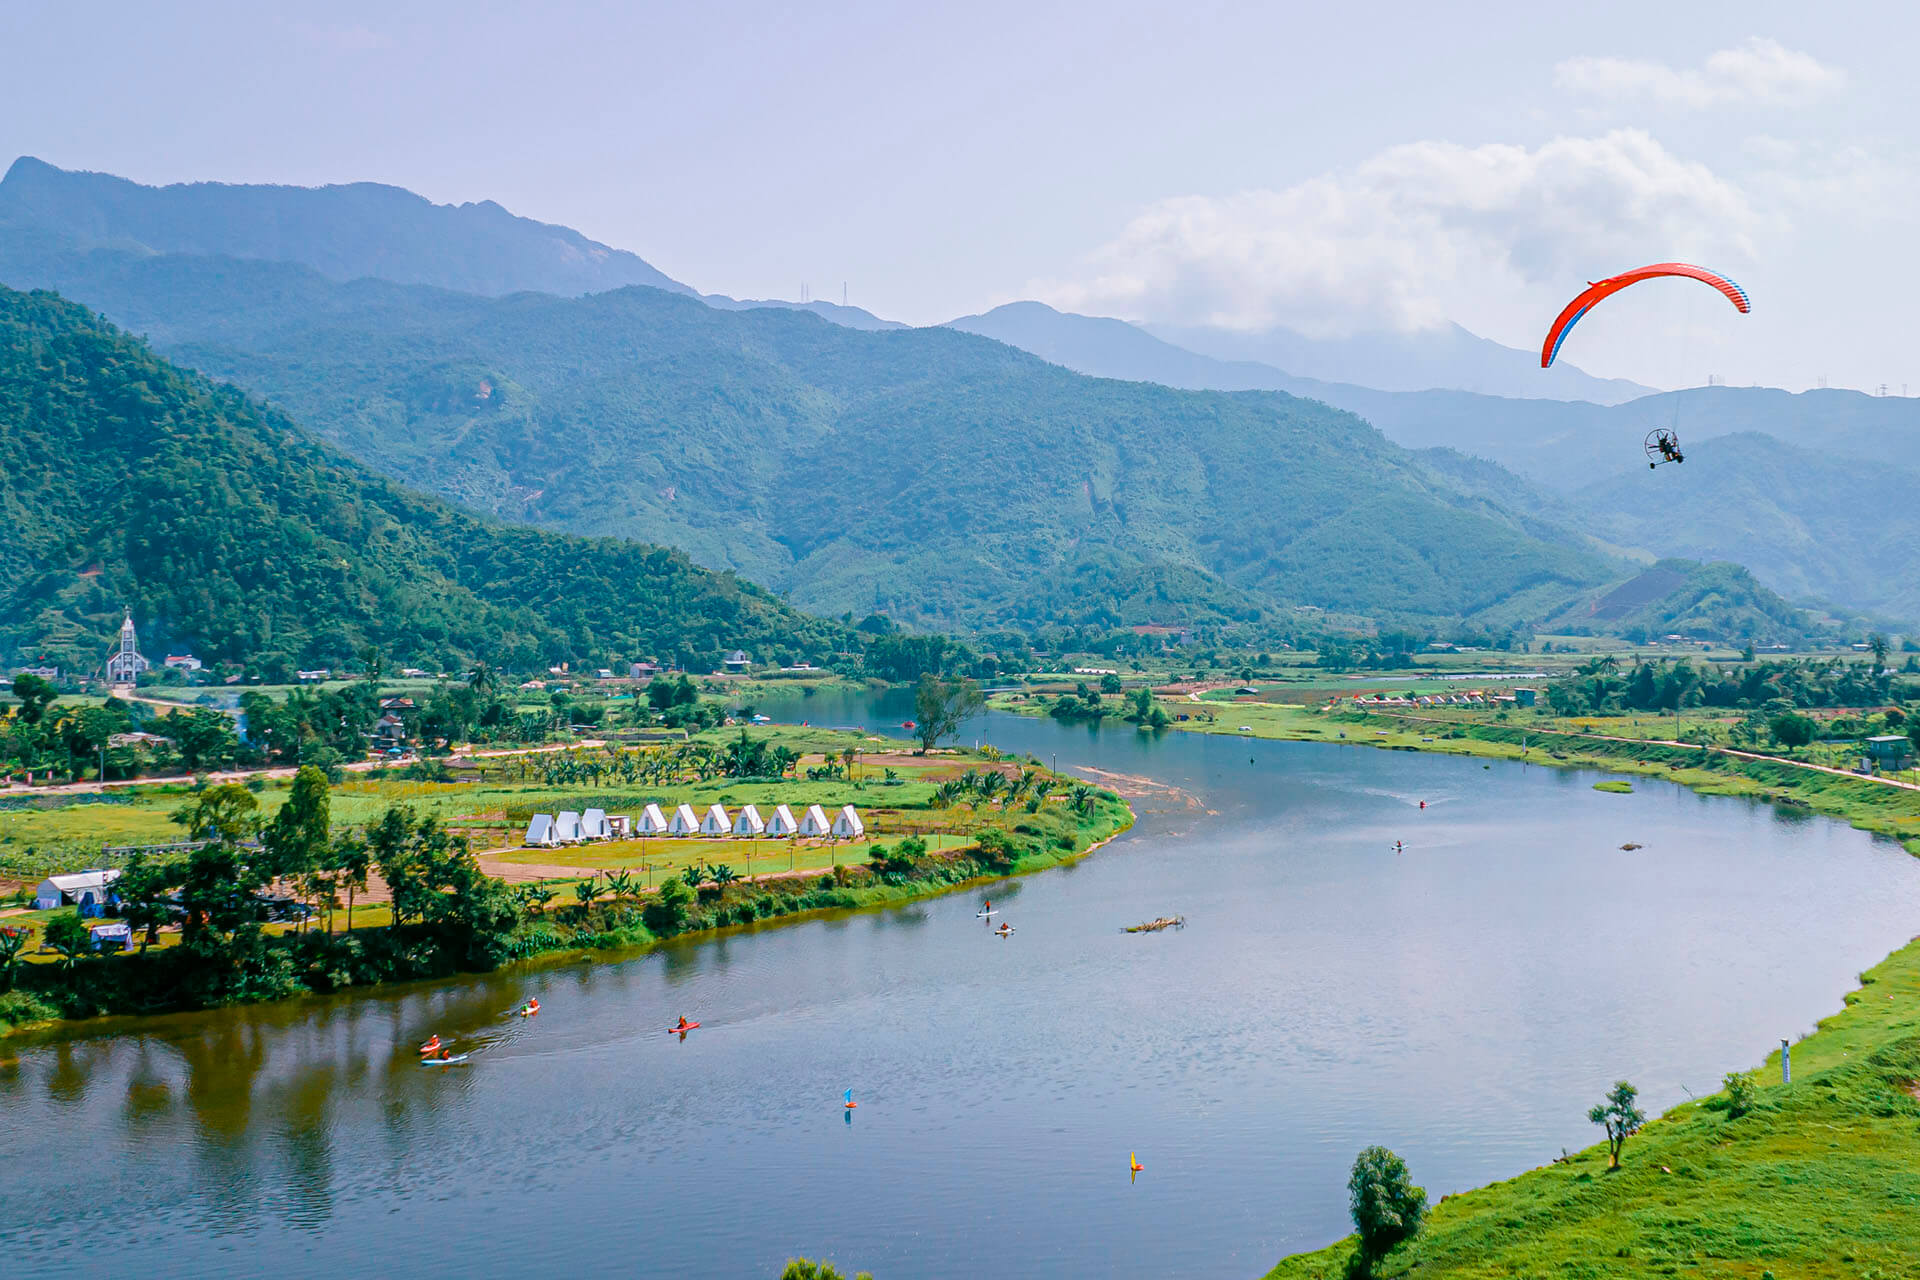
(940, 478)
(231, 532)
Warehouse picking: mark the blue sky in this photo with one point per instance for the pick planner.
(1392, 165)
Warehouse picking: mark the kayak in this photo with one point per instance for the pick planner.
(454, 1061)
(690, 1026)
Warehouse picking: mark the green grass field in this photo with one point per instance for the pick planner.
(1821, 1180)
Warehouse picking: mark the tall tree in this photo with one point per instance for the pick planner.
(297, 841)
(941, 706)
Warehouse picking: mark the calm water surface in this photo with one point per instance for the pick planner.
(1463, 1002)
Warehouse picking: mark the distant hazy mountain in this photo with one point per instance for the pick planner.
(930, 474)
(344, 232)
(1448, 358)
(1107, 348)
(1812, 523)
(847, 317)
(1565, 446)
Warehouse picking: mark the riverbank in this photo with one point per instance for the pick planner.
(602, 916)
(1868, 804)
(1816, 1180)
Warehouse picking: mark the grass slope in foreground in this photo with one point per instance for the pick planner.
(1820, 1179)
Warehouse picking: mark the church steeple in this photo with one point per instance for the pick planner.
(125, 664)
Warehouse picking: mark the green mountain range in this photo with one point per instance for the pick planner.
(232, 533)
(943, 479)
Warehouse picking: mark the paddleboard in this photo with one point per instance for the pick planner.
(982, 915)
(454, 1061)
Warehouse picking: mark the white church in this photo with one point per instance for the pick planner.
(125, 664)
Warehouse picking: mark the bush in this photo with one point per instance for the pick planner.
(666, 912)
(1742, 1094)
(1387, 1208)
(18, 1008)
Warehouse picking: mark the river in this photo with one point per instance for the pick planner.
(1463, 1002)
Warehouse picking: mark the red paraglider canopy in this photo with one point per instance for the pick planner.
(1602, 289)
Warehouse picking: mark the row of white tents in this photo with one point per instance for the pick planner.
(548, 831)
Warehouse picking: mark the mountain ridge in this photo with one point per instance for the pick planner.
(226, 528)
(345, 231)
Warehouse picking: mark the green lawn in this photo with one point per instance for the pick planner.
(654, 859)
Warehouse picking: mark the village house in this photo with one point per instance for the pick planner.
(736, 662)
(182, 662)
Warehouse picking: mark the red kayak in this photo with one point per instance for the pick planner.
(688, 1027)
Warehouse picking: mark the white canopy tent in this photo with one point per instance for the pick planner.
(685, 821)
(780, 822)
(651, 822)
(716, 823)
(748, 823)
(84, 889)
(847, 822)
(814, 822)
(540, 832)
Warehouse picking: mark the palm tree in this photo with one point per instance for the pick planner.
(946, 794)
(537, 896)
(722, 875)
(620, 883)
(1082, 800)
(991, 785)
(585, 892)
(1044, 787)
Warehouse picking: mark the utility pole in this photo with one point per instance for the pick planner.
(1786, 1063)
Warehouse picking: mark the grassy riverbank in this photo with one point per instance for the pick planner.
(1864, 803)
(930, 829)
(1821, 1179)
(1818, 1180)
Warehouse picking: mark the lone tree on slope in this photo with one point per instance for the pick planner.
(1619, 1117)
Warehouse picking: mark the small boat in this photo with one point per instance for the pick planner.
(1155, 926)
(683, 1028)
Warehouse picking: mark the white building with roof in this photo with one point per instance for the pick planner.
(125, 664)
(566, 827)
(685, 822)
(780, 822)
(748, 823)
(814, 822)
(651, 822)
(847, 822)
(540, 832)
(87, 890)
(594, 825)
(716, 823)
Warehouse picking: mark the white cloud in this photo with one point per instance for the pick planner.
(1419, 235)
(1760, 71)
